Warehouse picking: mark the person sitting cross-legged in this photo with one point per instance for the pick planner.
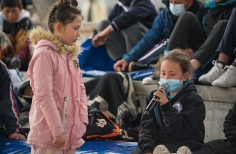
(222, 75)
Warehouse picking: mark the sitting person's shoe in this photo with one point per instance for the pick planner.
(228, 79)
(161, 149)
(184, 150)
(215, 72)
(152, 79)
(133, 66)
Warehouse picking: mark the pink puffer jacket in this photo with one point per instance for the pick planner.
(59, 101)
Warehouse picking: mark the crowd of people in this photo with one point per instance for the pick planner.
(181, 39)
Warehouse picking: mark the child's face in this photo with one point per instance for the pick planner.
(28, 91)
(70, 32)
(171, 70)
(11, 13)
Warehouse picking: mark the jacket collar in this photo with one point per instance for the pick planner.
(39, 33)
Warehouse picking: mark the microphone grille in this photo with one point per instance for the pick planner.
(164, 86)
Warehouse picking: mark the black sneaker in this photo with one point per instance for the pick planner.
(133, 66)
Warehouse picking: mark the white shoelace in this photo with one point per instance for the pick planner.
(215, 69)
(229, 73)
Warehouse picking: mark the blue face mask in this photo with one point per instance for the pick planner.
(177, 9)
(173, 84)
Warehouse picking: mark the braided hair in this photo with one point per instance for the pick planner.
(64, 11)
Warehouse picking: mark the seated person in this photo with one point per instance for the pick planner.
(160, 31)
(202, 33)
(25, 94)
(14, 29)
(9, 120)
(223, 146)
(177, 119)
(126, 25)
(222, 75)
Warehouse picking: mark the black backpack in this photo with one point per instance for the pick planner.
(102, 128)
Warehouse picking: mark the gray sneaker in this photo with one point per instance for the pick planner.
(228, 79)
(161, 149)
(215, 72)
(184, 150)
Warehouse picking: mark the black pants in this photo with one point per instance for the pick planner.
(228, 42)
(189, 33)
(217, 147)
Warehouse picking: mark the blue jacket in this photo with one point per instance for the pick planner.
(9, 120)
(161, 29)
(139, 11)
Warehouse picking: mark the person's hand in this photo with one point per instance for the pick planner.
(195, 64)
(59, 141)
(17, 136)
(101, 37)
(161, 94)
(120, 64)
(189, 52)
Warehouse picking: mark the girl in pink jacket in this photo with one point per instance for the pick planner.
(58, 114)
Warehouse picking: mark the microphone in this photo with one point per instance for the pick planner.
(152, 103)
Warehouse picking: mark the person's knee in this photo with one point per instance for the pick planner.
(221, 24)
(188, 16)
(138, 27)
(102, 25)
(137, 150)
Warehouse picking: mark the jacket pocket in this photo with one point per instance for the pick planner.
(64, 110)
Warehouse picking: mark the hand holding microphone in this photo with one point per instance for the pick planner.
(152, 103)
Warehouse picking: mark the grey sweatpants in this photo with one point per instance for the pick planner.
(121, 42)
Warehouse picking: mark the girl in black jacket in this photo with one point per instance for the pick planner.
(177, 119)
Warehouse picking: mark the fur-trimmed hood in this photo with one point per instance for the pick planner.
(39, 33)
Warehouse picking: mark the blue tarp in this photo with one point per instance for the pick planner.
(92, 58)
(90, 147)
(137, 75)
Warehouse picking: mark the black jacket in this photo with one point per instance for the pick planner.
(230, 125)
(140, 11)
(175, 129)
(9, 120)
(209, 15)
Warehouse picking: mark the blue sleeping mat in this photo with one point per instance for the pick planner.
(90, 147)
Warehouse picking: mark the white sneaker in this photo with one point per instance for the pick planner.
(152, 79)
(161, 149)
(215, 72)
(228, 79)
(184, 150)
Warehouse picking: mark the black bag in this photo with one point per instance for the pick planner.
(102, 128)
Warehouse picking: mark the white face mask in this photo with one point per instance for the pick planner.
(177, 9)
